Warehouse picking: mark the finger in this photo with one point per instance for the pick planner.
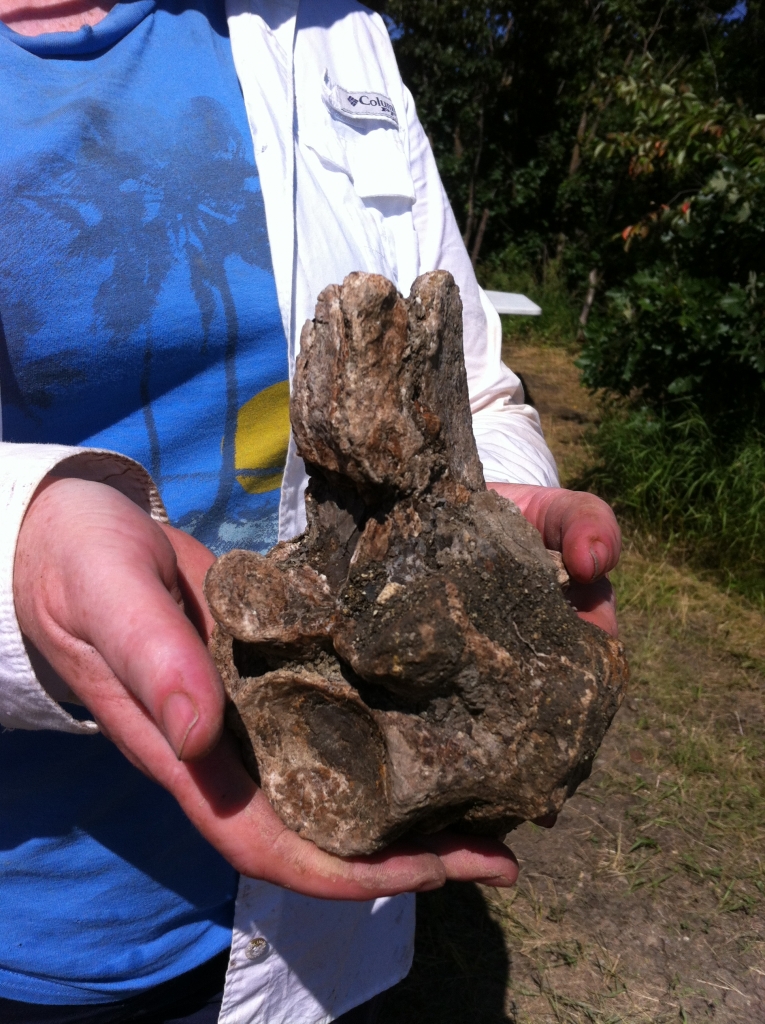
(588, 534)
(595, 603)
(402, 867)
(579, 525)
(473, 858)
(155, 651)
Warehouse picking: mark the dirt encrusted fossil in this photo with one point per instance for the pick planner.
(410, 662)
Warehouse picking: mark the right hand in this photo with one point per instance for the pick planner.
(114, 602)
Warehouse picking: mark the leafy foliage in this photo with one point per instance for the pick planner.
(690, 319)
(617, 148)
(509, 94)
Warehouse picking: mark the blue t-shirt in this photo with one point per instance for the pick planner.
(138, 312)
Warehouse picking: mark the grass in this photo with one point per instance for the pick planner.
(673, 480)
(646, 902)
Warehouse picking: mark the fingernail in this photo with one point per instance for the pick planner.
(599, 555)
(179, 716)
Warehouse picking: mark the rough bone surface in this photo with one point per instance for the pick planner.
(411, 661)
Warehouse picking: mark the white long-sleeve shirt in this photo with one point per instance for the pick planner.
(347, 186)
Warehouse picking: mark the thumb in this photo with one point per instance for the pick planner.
(97, 593)
(590, 538)
(578, 524)
(159, 657)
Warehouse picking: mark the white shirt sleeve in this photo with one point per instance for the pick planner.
(508, 433)
(24, 702)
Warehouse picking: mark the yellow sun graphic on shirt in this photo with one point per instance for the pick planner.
(262, 437)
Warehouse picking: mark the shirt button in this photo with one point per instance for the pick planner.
(256, 949)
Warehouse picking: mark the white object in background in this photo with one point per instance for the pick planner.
(511, 302)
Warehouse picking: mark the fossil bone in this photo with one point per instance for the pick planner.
(410, 662)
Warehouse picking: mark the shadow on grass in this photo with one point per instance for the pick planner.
(461, 965)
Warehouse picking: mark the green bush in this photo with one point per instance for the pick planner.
(688, 317)
(667, 334)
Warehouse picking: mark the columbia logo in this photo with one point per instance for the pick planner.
(361, 105)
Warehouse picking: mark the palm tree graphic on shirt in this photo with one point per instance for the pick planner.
(190, 203)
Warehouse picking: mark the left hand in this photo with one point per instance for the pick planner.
(111, 600)
(584, 529)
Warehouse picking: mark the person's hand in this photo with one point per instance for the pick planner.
(584, 529)
(114, 602)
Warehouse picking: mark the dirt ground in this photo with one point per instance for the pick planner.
(646, 902)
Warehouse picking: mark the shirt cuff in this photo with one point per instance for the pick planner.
(25, 703)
